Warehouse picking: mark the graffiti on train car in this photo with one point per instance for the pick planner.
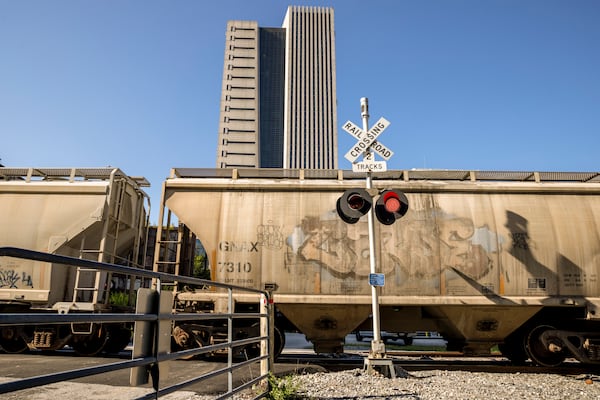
(421, 247)
(10, 278)
(457, 241)
(330, 243)
(435, 249)
(269, 236)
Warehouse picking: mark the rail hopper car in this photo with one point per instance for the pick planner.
(97, 214)
(485, 258)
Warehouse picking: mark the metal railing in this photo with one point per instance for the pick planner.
(153, 319)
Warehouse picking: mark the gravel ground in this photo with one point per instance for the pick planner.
(425, 385)
(358, 385)
(429, 385)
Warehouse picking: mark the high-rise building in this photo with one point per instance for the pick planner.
(278, 102)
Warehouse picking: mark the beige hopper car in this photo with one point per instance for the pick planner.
(97, 214)
(484, 258)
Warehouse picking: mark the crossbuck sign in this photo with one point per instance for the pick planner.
(368, 141)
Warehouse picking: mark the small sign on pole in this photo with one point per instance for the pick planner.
(377, 279)
(369, 166)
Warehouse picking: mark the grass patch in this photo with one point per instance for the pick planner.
(282, 388)
(121, 298)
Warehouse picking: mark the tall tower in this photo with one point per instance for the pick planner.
(310, 125)
(278, 102)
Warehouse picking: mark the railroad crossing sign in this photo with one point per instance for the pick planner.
(367, 142)
(359, 134)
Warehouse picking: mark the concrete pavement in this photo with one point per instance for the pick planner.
(113, 385)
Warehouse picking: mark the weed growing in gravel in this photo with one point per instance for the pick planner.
(282, 388)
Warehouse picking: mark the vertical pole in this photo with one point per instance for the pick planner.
(377, 346)
(267, 328)
(230, 309)
(264, 331)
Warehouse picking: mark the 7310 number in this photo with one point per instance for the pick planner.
(227, 266)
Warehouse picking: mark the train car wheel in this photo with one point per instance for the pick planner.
(11, 341)
(118, 338)
(90, 345)
(540, 353)
(279, 342)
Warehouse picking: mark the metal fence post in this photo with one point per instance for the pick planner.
(143, 339)
(230, 339)
(266, 329)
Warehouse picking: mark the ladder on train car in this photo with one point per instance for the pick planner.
(175, 248)
(164, 262)
(83, 294)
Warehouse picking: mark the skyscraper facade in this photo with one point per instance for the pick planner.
(278, 102)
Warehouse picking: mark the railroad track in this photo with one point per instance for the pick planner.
(450, 361)
(408, 360)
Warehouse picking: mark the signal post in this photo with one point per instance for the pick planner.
(355, 203)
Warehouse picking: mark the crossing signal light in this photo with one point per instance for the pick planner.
(353, 204)
(391, 205)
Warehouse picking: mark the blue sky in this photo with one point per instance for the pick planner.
(466, 84)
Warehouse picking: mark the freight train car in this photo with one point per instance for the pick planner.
(484, 258)
(97, 214)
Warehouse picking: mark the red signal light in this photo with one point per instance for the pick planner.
(391, 202)
(354, 203)
(391, 205)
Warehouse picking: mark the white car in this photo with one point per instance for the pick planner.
(406, 337)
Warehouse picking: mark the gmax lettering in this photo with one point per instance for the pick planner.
(244, 247)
